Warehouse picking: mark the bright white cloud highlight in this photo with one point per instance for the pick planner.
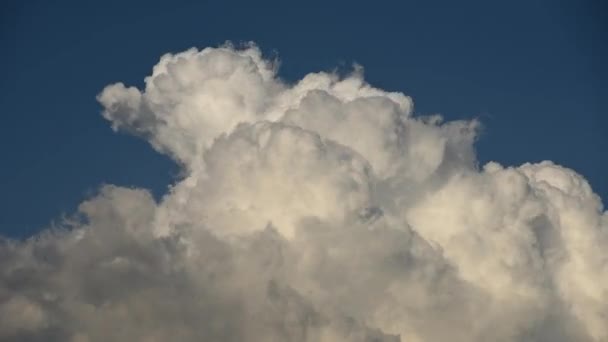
(316, 211)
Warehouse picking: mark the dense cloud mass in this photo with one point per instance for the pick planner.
(316, 211)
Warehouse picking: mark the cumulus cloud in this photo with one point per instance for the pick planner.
(322, 210)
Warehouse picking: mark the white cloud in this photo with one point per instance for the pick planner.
(316, 211)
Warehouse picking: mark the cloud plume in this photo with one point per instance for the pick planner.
(321, 210)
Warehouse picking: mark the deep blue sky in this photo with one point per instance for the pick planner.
(533, 71)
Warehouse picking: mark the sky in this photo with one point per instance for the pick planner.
(531, 71)
(218, 171)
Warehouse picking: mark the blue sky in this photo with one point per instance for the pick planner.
(532, 71)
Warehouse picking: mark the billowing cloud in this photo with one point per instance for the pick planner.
(317, 211)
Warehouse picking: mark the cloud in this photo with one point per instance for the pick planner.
(317, 211)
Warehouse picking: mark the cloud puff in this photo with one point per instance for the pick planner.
(317, 211)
